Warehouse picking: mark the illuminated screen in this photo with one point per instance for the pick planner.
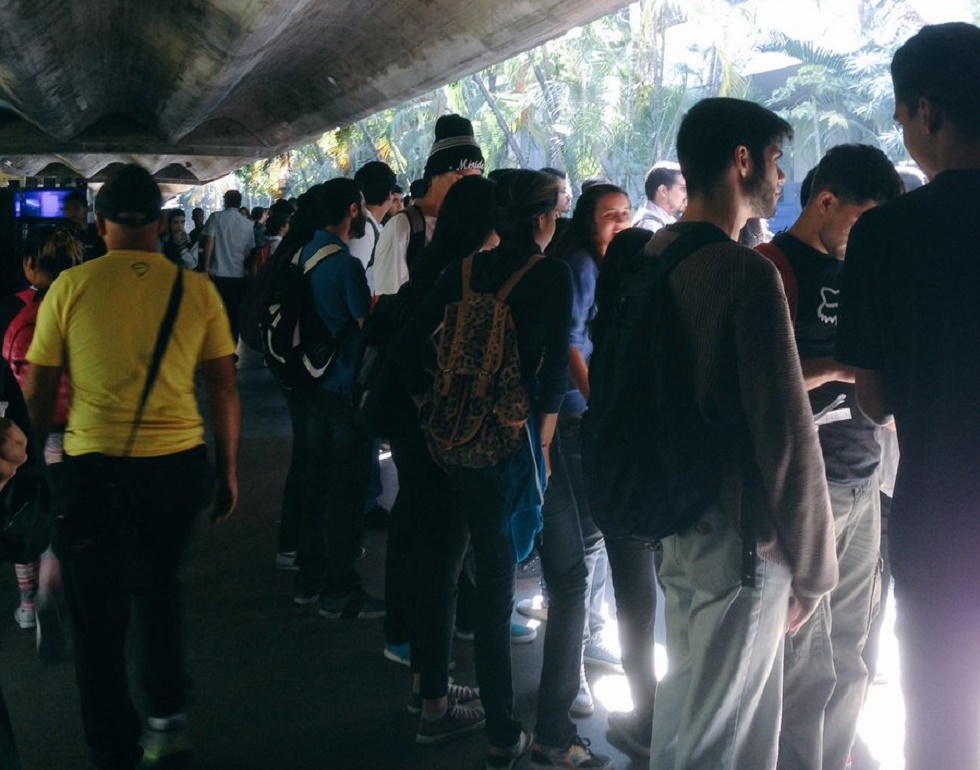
(44, 204)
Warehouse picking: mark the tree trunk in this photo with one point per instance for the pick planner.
(501, 121)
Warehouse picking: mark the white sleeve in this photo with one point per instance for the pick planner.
(390, 267)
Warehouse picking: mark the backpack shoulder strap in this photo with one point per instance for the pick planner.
(415, 218)
(319, 256)
(516, 276)
(693, 236)
(467, 273)
(377, 237)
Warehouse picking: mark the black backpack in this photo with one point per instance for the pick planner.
(651, 464)
(378, 394)
(297, 345)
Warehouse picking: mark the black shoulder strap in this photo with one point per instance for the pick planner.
(166, 327)
(374, 246)
(692, 237)
(416, 239)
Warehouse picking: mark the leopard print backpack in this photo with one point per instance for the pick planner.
(479, 407)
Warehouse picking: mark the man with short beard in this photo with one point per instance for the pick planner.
(336, 444)
(728, 605)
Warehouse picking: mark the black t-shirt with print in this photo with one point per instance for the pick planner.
(850, 451)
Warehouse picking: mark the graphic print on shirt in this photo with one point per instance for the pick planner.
(827, 311)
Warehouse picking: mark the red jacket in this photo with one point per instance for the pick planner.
(17, 341)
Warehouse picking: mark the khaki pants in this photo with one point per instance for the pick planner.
(719, 705)
(825, 676)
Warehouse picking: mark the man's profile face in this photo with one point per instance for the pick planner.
(765, 186)
(76, 212)
(395, 203)
(358, 222)
(913, 135)
(837, 227)
(675, 197)
(564, 196)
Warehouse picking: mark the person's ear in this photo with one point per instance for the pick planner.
(743, 162)
(100, 225)
(826, 201)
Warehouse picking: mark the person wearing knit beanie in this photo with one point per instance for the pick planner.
(454, 154)
(455, 148)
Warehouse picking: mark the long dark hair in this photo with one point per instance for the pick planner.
(521, 196)
(464, 224)
(580, 235)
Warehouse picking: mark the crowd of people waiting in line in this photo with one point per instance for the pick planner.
(802, 356)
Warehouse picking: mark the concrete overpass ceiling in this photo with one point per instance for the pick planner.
(196, 89)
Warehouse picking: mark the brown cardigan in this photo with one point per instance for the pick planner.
(733, 312)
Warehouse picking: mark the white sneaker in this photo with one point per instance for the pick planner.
(535, 608)
(25, 617)
(583, 705)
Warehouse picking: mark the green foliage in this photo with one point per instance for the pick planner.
(602, 101)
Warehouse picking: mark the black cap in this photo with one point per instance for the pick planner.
(130, 196)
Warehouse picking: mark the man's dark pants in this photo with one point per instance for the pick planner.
(232, 291)
(126, 525)
(336, 464)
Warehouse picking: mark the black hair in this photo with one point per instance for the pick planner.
(76, 196)
(806, 186)
(557, 173)
(275, 223)
(857, 174)
(335, 199)
(464, 224)
(282, 206)
(581, 229)
(233, 199)
(305, 222)
(520, 197)
(418, 188)
(593, 182)
(660, 174)
(196, 209)
(257, 212)
(713, 129)
(622, 248)
(52, 250)
(377, 180)
(172, 214)
(941, 63)
(397, 189)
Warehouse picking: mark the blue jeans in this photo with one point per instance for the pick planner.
(336, 450)
(634, 579)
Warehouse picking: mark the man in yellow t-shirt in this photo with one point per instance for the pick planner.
(135, 476)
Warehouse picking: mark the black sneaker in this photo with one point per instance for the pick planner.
(634, 732)
(357, 605)
(508, 760)
(457, 693)
(458, 720)
(577, 755)
(165, 739)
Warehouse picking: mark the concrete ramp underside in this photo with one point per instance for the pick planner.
(196, 89)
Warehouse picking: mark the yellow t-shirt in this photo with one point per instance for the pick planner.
(101, 321)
